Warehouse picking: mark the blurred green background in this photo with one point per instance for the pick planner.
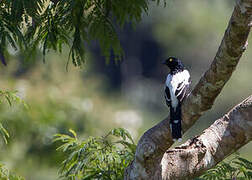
(127, 94)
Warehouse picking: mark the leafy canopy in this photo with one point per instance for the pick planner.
(26, 25)
(237, 168)
(96, 157)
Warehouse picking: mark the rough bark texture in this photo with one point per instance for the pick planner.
(153, 144)
(199, 154)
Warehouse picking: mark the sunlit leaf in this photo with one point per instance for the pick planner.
(97, 157)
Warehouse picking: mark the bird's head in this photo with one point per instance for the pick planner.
(173, 63)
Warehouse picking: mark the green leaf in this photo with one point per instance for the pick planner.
(73, 23)
(4, 133)
(238, 167)
(8, 99)
(96, 157)
(73, 132)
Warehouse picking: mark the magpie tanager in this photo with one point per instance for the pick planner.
(176, 88)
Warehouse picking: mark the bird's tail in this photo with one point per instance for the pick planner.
(175, 123)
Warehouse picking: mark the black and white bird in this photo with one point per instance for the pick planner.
(176, 89)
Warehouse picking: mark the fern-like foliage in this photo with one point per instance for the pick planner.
(49, 24)
(107, 157)
(10, 97)
(5, 174)
(236, 169)
(96, 157)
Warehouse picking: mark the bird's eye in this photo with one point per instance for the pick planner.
(170, 59)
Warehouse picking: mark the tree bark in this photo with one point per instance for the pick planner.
(154, 143)
(224, 136)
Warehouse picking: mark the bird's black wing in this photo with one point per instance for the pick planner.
(167, 96)
(182, 90)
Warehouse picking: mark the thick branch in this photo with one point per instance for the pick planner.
(157, 140)
(201, 153)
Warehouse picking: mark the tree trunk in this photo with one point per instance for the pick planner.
(152, 158)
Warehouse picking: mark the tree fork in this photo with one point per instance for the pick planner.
(223, 137)
(154, 143)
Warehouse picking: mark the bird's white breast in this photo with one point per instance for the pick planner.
(172, 82)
